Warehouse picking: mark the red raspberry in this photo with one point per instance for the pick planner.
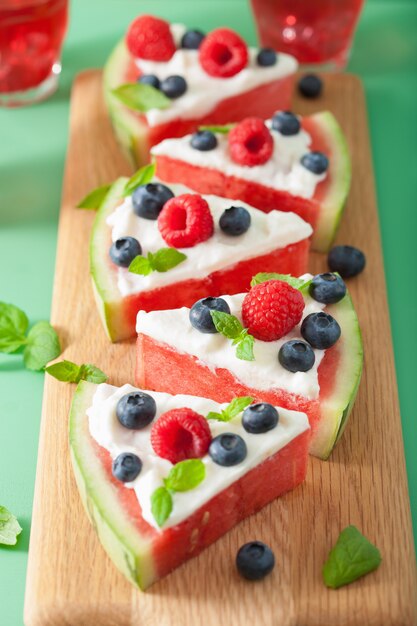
(270, 310)
(150, 38)
(180, 434)
(185, 221)
(223, 53)
(250, 142)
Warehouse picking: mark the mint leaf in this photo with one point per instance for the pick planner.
(94, 199)
(353, 556)
(223, 130)
(262, 277)
(13, 326)
(141, 97)
(92, 374)
(185, 475)
(229, 326)
(42, 346)
(236, 406)
(69, 372)
(9, 527)
(140, 265)
(161, 505)
(161, 261)
(244, 350)
(141, 177)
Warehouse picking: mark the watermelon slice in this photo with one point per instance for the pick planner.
(230, 270)
(174, 357)
(215, 172)
(142, 551)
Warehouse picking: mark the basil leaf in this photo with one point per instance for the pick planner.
(92, 374)
(185, 475)
(141, 97)
(353, 556)
(94, 199)
(42, 346)
(236, 406)
(65, 371)
(141, 177)
(140, 265)
(9, 527)
(167, 258)
(161, 505)
(223, 130)
(226, 324)
(244, 350)
(13, 326)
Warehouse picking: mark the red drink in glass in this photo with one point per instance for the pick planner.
(316, 32)
(31, 36)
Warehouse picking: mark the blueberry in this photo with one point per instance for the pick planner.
(255, 560)
(227, 449)
(296, 356)
(346, 260)
(286, 123)
(191, 39)
(327, 288)
(310, 86)
(259, 418)
(124, 250)
(126, 467)
(321, 330)
(200, 316)
(203, 140)
(149, 79)
(173, 86)
(136, 410)
(266, 57)
(235, 221)
(149, 199)
(315, 162)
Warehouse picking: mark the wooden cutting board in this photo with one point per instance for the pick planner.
(70, 579)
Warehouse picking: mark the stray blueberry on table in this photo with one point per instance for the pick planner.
(286, 123)
(124, 250)
(259, 418)
(255, 560)
(310, 86)
(136, 410)
(321, 330)
(173, 86)
(348, 261)
(327, 288)
(126, 467)
(228, 449)
(200, 316)
(235, 221)
(296, 356)
(203, 140)
(266, 57)
(148, 200)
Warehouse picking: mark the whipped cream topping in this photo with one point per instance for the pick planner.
(282, 171)
(107, 431)
(216, 351)
(204, 92)
(267, 232)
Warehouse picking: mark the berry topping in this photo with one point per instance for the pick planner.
(315, 162)
(327, 288)
(191, 39)
(271, 309)
(259, 418)
(346, 260)
(180, 434)
(321, 330)
(149, 199)
(185, 221)
(250, 142)
(126, 467)
(235, 221)
(149, 79)
(286, 123)
(203, 140)
(136, 410)
(310, 86)
(266, 57)
(200, 316)
(255, 560)
(150, 38)
(296, 356)
(124, 250)
(173, 86)
(228, 449)
(223, 53)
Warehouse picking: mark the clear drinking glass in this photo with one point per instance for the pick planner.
(31, 37)
(317, 32)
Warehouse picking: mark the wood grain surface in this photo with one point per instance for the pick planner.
(71, 581)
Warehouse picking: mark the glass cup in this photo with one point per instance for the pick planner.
(31, 37)
(317, 32)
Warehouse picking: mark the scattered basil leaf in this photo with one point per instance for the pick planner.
(229, 326)
(185, 475)
(9, 527)
(236, 406)
(92, 374)
(42, 346)
(13, 327)
(223, 130)
(353, 556)
(69, 372)
(161, 505)
(94, 199)
(141, 177)
(141, 97)
(160, 261)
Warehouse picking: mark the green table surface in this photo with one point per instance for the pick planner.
(32, 152)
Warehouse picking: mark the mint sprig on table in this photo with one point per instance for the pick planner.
(236, 406)
(353, 556)
(40, 345)
(223, 129)
(184, 476)
(229, 326)
(162, 260)
(69, 372)
(297, 283)
(9, 527)
(141, 97)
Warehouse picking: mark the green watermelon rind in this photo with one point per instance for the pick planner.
(129, 551)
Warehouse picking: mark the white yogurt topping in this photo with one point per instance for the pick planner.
(204, 92)
(106, 429)
(214, 350)
(267, 232)
(282, 171)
